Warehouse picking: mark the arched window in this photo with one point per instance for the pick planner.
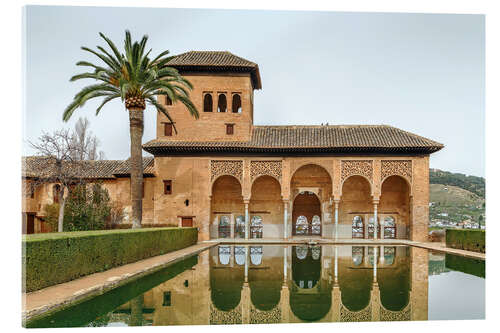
(236, 107)
(358, 253)
(301, 226)
(389, 227)
(239, 229)
(316, 252)
(224, 227)
(389, 255)
(371, 227)
(358, 230)
(301, 251)
(256, 255)
(316, 225)
(256, 227)
(224, 254)
(222, 105)
(207, 103)
(240, 254)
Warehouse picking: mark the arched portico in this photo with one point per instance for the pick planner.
(394, 207)
(355, 208)
(311, 189)
(226, 206)
(266, 205)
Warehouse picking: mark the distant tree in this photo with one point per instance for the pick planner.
(88, 208)
(58, 150)
(85, 143)
(61, 152)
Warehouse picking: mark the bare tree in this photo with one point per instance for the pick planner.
(86, 144)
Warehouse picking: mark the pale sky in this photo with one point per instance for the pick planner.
(423, 73)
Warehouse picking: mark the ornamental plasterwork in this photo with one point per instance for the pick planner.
(357, 167)
(265, 317)
(265, 168)
(396, 167)
(227, 167)
(218, 317)
(388, 315)
(347, 315)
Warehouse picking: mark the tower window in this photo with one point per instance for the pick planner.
(207, 103)
(236, 103)
(168, 129)
(222, 105)
(167, 187)
(229, 129)
(168, 100)
(167, 298)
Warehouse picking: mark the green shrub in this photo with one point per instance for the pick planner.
(54, 258)
(470, 240)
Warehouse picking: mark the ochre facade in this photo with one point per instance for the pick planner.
(231, 178)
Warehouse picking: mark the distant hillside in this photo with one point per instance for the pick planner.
(448, 195)
(452, 203)
(473, 184)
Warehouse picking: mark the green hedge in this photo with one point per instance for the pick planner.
(471, 240)
(466, 265)
(54, 258)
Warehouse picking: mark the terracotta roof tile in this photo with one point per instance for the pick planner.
(219, 61)
(39, 166)
(339, 138)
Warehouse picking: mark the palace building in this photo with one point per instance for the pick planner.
(233, 179)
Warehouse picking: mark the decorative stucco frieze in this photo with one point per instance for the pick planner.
(401, 168)
(218, 317)
(357, 167)
(265, 168)
(265, 317)
(388, 315)
(226, 167)
(347, 315)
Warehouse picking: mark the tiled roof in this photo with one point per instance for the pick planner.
(38, 166)
(313, 139)
(147, 166)
(219, 61)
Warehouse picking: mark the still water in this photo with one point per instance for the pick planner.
(291, 284)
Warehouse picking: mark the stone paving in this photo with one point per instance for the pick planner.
(57, 296)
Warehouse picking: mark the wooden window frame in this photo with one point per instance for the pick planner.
(168, 129)
(229, 129)
(167, 187)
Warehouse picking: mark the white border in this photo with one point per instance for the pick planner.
(12, 59)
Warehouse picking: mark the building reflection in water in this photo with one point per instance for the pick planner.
(235, 284)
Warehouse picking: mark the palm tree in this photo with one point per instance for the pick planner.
(137, 80)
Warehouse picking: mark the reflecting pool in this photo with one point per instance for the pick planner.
(243, 284)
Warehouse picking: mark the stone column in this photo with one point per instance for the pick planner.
(246, 263)
(382, 258)
(285, 219)
(285, 264)
(336, 231)
(375, 264)
(375, 217)
(336, 267)
(247, 218)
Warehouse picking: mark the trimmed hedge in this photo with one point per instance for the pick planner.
(54, 258)
(471, 240)
(466, 265)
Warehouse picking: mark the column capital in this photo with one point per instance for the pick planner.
(246, 201)
(376, 201)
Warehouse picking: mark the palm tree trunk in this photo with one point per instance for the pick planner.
(136, 116)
